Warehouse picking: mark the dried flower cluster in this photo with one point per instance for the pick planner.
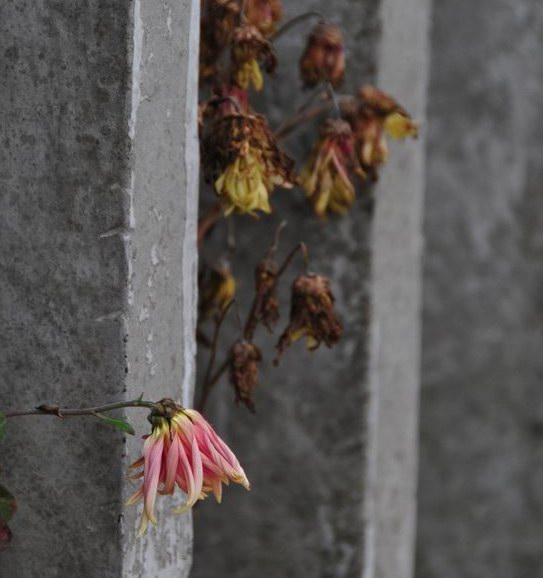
(243, 163)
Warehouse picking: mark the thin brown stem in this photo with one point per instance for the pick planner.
(334, 99)
(276, 239)
(231, 235)
(242, 12)
(208, 380)
(299, 247)
(294, 22)
(208, 222)
(216, 100)
(57, 411)
(309, 114)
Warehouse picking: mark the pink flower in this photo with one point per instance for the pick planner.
(182, 450)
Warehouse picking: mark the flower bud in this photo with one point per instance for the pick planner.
(264, 14)
(249, 50)
(324, 57)
(325, 177)
(244, 360)
(217, 289)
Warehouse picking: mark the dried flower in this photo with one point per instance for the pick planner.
(217, 289)
(241, 159)
(324, 57)
(217, 26)
(182, 450)
(244, 360)
(264, 14)
(267, 301)
(249, 50)
(325, 178)
(311, 315)
(378, 113)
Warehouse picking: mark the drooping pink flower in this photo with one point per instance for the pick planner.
(183, 451)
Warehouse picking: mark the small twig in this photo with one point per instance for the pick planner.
(238, 318)
(208, 380)
(294, 22)
(309, 114)
(208, 222)
(275, 246)
(217, 100)
(299, 247)
(333, 96)
(57, 411)
(242, 4)
(231, 235)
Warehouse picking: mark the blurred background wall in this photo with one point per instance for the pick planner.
(481, 453)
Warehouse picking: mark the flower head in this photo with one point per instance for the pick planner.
(311, 314)
(264, 14)
(217, 289)
(324, 57)
(241, 159)
(325, 178)
(244, 360)
(249, 50)
(376, 115)
(182, 451)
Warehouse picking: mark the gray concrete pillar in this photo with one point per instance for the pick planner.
(481, 471)
(331, 452)
(98, 193)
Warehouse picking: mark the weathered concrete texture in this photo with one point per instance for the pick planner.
(481, 476)
(96, 190)
(305, 451)
(396, 297)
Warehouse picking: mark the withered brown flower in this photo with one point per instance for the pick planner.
(266, 302)
(325, 177)
(217, 289)
(264, 14)
(220, 17)
(324, 56)
(244, 360)
(311, 315)
(242, 161)
(250, 50)
(378, 114)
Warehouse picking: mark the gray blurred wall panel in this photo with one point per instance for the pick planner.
(98, 195)
(396, 302)
(481, 471)
(307, 449)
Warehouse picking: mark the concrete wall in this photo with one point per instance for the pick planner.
(97, 209)
(308, 448)
(481, 477)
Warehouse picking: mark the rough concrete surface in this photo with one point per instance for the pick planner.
(481, 471)
(396, 297)
(97, 197)
(306, 449)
